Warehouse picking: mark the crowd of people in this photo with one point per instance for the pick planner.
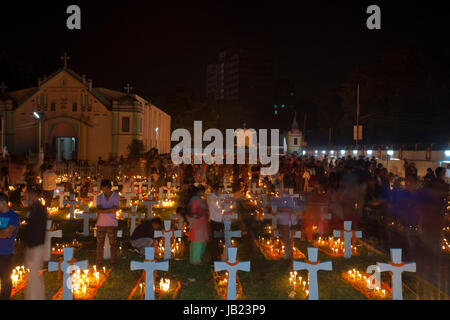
(357, 189)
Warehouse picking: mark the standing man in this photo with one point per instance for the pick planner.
(34, 239)
(48, 185)
(107, 204)
(9, 224)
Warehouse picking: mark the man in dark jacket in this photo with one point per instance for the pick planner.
(34, 239)
(144, 233)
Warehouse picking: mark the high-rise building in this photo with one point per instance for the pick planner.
(244, 76)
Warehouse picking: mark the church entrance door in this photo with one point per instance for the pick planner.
(66, 148)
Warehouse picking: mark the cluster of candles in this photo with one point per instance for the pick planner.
(166, 204)
(221, 281)
(85, 282)
(360, 281)
(334, 247)
(298, 284)
(273, 248)
(176, 248)
(163, 286)
(59, 247)
(18, 276)
(445, 246)
(52, 210)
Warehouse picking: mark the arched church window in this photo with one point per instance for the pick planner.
(125, 124)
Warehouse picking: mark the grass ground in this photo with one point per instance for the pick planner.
(267, 280)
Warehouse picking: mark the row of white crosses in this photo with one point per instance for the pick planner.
(396, 266)
(227, 233)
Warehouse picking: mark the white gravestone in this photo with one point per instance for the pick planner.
(86, 216)
(348, 237)
(396, 266)
(232, 266)
(149, 265)
(72, 204)
(312, 266)
(167, 234)
(67, 266)
(133, 216)
(49, 234)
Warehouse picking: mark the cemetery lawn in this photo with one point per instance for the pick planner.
(267, 280)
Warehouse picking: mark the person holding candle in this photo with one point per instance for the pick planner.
(9, 225)
(107, 204)
(34, 239)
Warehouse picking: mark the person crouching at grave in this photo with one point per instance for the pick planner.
(9, 225)
(285, 205)
(16, 198)
(143, 235)
(198, 222)
(34, 239)
(107, 204)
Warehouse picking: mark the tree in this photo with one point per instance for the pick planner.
(136, 148)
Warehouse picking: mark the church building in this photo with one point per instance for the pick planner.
(72, 120)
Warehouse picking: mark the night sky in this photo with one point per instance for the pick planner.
(162, 46)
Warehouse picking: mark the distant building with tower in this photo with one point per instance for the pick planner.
(76, 121)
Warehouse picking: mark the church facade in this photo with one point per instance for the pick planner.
(75, 121)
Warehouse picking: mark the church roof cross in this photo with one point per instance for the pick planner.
(65, 57)
(128, 88)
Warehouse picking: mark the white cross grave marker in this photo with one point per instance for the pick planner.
(227, 233)
(149, 265)
(312, 266)
(85, 216)
(72, 203)
(67, 266)
(167, 234)
(348, 237)
(232, 266)
(133, 217)
(149, 205)
(396, 266)
(49, 234)
(129, 196)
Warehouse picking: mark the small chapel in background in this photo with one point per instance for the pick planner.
(70, 119)
(292, 140)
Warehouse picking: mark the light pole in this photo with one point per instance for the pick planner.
(156, 130)
(41, 151)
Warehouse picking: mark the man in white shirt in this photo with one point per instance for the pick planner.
(48, 184)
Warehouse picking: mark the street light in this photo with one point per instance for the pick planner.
(39, 116)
